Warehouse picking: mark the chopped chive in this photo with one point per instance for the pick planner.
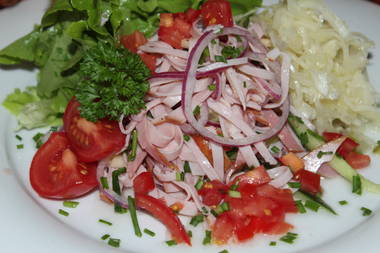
(220, 58)
(119, 209)
(105, 222)
(20, 146)
(186, 137)
(235, 185)
(115, 179)
(275, 149)
(357, 185)
(204, 209)
(318, 200)
(225, 206)
(211, 87)
(190, 233)
(63, 212)
(272, 243)
(294, 185)
(343, 202)
(104, 182)
(132, 154)
(289, 237)
(18, 137)
(223, 251)
(234, 194)
(304, 139)
(186, 167)
(245, 84)
(197, 111)
(104, 237)
(132, 211)
(214, 212)
(70, 204)
(238, 38)
(114, 242)
(207, 238)
(366, 211)
(321, 153)
(196, 220)
(53, 129)
(149, 232)
(171, 243)
(204, 56)
(300, 206)
(231, 52)
(179, 176)
(312, 205)
(199, 184)
(38, 139)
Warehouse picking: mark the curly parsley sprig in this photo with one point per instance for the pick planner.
(113, 82)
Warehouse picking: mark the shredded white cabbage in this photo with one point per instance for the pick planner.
(329, 84)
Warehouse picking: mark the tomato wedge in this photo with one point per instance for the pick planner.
(216, 12)
(347, 146)
(164, 214)
(91, 141)
(144, 183)
(56, 173)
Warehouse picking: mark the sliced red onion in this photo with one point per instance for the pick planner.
(322, 154)
(219, 65)
(280, 176)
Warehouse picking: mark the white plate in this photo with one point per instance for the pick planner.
(31, 224)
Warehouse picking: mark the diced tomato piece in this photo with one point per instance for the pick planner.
(247, 228)
(310, 181)
(216, 12)
(284, 197)
(358, 161)
(133, 41)
(277, 228)
(347, 146)
(292, 161)
(191, 15)
(213, 192)
(150, 61)
(256, 176)
(223, 229)
(166, 20)
(144, 183)
(330, 136)
(164, 214)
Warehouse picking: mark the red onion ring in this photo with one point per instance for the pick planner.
(188, 90)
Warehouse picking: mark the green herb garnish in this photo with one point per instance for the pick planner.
(275, 149)
(207, 238)
(171, 243)
(220, 58)
(119, 209)
(366, 211)
(300, 206)
(294, 185)
(357, 185)
(186, 167)
(343, 202)
(149, 232)
(289, 237)
(114, 242)
(63, 212)
(18, 137)
(229, 52)
(104, 182)
(132, 153)
(322, 153)
(105, 237)
(20, 146)
(132, 211)
(38, 139)
(312, 205)
(113, 83)
(234, 194)
(70, 204)
(196, 220)
(115, 179)
(272, 243)
(105, 222)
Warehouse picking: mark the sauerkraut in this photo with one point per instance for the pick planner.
(329, 85)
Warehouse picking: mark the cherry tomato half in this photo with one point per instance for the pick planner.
(91, 141)
(56, 173)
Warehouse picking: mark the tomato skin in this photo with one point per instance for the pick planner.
(144, 183)
(55, 172)
(357, 161)
(91, 141)
(164, 214)
(310, 182)
(216, 12)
